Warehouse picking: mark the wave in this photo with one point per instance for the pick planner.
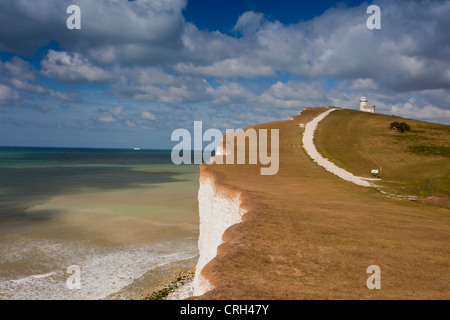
(103, 270)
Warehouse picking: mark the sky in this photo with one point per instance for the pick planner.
(138, 70)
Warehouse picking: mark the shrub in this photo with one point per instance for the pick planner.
(402, 127)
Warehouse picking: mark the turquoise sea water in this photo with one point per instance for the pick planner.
(31, 175)
(115, 214)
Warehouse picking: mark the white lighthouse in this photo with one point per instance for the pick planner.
(363, 105)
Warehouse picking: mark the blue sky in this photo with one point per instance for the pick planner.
(137, 70)
(222, 15)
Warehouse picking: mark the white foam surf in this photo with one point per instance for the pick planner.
(103, 270)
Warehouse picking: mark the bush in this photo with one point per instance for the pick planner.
(402, 127)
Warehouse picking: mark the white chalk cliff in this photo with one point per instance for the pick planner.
(218, 211)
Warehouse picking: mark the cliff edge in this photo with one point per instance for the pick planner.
(305, 233)
(219, 209)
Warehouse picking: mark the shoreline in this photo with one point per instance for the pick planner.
(154, 280)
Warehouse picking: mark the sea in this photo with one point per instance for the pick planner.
(82, 224)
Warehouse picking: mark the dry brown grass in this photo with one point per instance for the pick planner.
(310, 235)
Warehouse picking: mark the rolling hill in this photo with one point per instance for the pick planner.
(413, 163)
(308, 234)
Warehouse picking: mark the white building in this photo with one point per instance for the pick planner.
(364, 107)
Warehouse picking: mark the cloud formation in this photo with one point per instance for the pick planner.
(145, 53)
(20, 85)
(72, 68)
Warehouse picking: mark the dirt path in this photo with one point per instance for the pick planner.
(310, 148)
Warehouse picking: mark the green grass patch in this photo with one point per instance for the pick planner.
(430, 151)
(413, 162)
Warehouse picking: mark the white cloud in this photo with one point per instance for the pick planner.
(230, 92)
(438, 97)
(26, 86)
(22, 76)
(105, 23)
(414, 111)
(118, 110)
(294, 94)
(18, 69)
(129, 123)
(107, 118)
(147, 115)
(249, 22)
(72, 68)
(363, 84)
(228, 68)
(7, 94)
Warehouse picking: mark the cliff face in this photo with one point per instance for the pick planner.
(219, 208)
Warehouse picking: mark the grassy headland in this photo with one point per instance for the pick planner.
(311, 235)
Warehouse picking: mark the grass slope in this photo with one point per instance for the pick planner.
(413, 163)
